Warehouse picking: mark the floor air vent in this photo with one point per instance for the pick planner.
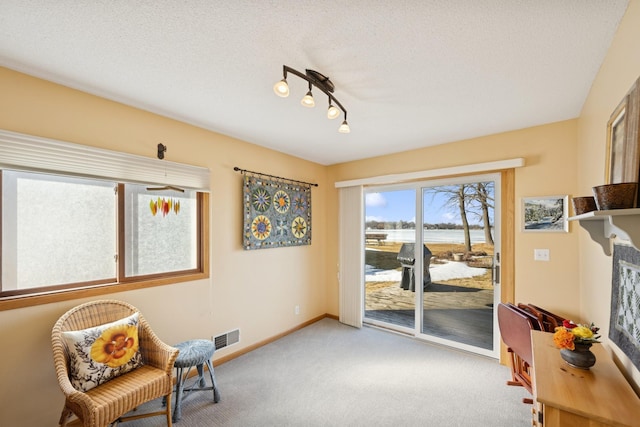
(227, 339)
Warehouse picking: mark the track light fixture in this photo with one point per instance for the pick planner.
(321, 82)
(307, 100)
(281, 88)
(332, 112)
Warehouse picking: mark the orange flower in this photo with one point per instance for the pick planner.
(116, 346)
(564, 338)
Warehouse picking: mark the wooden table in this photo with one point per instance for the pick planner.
(571, 397)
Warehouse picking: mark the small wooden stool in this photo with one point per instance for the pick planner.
(193, 353)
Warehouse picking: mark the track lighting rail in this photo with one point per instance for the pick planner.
(320, 81)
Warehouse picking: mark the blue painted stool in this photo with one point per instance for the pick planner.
(193, 353)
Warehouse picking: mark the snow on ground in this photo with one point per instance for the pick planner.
(448, 271)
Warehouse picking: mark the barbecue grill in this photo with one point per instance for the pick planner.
(407, 261)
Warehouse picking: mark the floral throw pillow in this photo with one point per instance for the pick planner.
(101, 353)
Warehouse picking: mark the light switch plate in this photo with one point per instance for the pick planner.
(541, 254)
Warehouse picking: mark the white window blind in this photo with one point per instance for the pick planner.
(351, 256)
(31, 153)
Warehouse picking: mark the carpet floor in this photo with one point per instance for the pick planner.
(330, 374)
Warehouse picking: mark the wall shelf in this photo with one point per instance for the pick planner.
(603, 225)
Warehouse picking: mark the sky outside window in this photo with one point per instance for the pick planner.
(393, 206)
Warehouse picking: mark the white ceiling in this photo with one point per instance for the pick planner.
(411, 73)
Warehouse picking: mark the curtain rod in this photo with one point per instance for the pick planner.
(242, 171)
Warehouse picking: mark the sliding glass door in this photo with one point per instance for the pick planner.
(389, 243)
(449, 291)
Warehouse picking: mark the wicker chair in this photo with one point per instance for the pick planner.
(108, 402)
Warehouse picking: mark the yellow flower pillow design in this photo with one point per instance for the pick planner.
(102, 353)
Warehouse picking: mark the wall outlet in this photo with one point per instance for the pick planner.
(541, 254)
(296, 310)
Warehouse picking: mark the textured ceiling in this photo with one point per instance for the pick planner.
(411, 73)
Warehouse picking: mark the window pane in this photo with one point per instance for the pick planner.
(56, 230)
(160, 231)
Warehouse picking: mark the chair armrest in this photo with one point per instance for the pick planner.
(154, 351)
(62, 372)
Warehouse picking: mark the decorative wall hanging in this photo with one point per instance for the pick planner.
(624, 324)
(277, 211)
(164, 206)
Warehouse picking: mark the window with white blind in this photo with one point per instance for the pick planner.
(78, 221)
(62, 232)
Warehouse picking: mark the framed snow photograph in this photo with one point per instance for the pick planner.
(545, 214)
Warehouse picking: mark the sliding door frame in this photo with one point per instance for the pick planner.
(418, 187)
(507, 170)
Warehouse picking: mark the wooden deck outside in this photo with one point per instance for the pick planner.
(456, 313)
(461, 311)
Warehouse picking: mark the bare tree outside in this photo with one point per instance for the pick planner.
(462, 202)
(483, 196)
(469, 199)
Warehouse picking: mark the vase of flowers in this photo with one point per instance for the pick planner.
(575, 341)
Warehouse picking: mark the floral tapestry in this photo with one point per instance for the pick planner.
(624, 326)
(276, 213)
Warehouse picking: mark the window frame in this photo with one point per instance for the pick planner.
(71, 291)
(121, 245)
(19, 151)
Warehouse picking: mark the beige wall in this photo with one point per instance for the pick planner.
(618, 72)
(255, 291)
(550, 169)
